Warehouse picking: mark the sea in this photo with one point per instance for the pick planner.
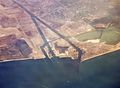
(99, 72)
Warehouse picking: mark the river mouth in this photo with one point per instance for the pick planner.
(102, 71)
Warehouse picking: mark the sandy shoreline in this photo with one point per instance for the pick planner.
(24, 59)
(11, 60)
(101, 54)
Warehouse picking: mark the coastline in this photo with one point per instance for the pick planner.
(85, 59)
(11, 60)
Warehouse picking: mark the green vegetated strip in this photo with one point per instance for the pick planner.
(110, 35)
(88, 35)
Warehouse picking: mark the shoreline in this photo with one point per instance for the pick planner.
(85, 59)
(100, 54)
(11, 60)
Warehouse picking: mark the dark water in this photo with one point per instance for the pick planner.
(100, 72)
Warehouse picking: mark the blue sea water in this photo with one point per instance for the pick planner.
(99, 72)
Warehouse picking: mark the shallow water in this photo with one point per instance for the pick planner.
(100, 72)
